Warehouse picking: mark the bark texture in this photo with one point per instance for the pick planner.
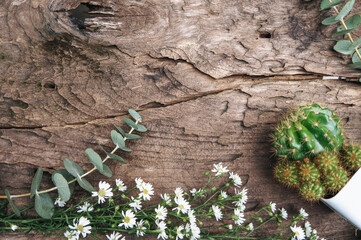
(210, 78)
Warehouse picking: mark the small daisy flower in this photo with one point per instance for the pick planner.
(70, 236)
(237, 181)
(136, 204)
(139, 182)
(13, 227)
(217, 212)
(183, 205)
(178, 192)
(162, 226)
(303, 213)
(238, 217)
(308, 229)
(60, 202)
(166, 198)
(115, 236)
(251, 227)
(219, 169)
(230, 226)
(193, 192)
(284, 213)
(242, 208)
(120, 185)
(85, 208)
(192, 218)
(272, 206)
(129, 219)
(299, 234)
(180, 235)
(104, 192)
(161, 212)
(193, 229)
(81, 226)
(140, 228)
(224, 195)
(242, 197)
(146, 190)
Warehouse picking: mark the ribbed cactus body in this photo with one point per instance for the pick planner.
(286, 173)
(308, 172)
(307, 131)
(327, 162)
(336, 179)
(312, 191)
(352, 157)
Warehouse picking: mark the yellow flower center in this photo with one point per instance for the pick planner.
(181, 206)
(126, 219)
(101, 192)
(80, 228)
(145, 191)
(159, 214)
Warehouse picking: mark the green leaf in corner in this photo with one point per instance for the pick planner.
(94, 158)
(130, 123)
(36, 182)
(62, 184)
(74, 169)
(329, 20)
(141, 128)
(355, 44)
(355, 65)
(345, 10)
(116, 157)
(117, 139)
(85, 184)
(44, 205)
(342, 47)
(135, 115)
(352, 22)
(326, 4)
(343, 32)
(120, 130)
(355, 58)
(12, 204)
(67, 176)
(107, 172)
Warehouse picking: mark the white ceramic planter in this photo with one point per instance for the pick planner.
(348, 201)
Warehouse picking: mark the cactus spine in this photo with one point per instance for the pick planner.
(352, 157)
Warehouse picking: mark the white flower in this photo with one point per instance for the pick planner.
(178, 192)
(183, 205)
(284, 213)
(299, 234)
(139, 182)
(80, 226)
(180, 235)
(219, 169)
(217, 212)
(136, 204)
(237, 181)
(140, 228)
(192, 218)
(242, 197)
(13, 227)
(303, 213)
(85, 208)
(193, 192)
(146, 190)
(238, 217)
(193, 230)
(120, 184)
(129, 219)
(230, 226)
(224, 194)
(161, 228)
(104, 192)
(115, 236)
(308, 229)
(250, 227)
(166, 198)
(70, 236)
(60, 202)
(242, 208)
(272, 206)
(161, 212)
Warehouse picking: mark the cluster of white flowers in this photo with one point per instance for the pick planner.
(300, 233)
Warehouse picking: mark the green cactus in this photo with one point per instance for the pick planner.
(352, 157)
(327, 162)
(336, 179)
(286, 173)
(307, 131)
(308, 172)
(312, 191)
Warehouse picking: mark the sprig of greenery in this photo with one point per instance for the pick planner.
(65, 179)
(347, 47)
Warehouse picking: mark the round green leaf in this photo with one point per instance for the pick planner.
(107, 172)
(135, 115)
(117, 139)
(62, 184)
(345, 10)
(342, 47)
(44, 205)
(94, 158)
(141, 128)
(355, 44)
(12, 204)
(330, 20)
(130, 123)
(85, 184)
(326, 4)
(73, 168)
(352, 22)
(355, 58)
(116, 157)
(36, 182)
(67, 176)
(340, 33)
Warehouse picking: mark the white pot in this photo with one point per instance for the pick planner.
(347, 201)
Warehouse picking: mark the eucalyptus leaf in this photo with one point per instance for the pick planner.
(44, 205)
(343, 32)
(355, 58)
(62, 184)
(352, 22)
(107, 172)
(125, 149)
(120, 130)
(94, 158)
(116, 157)
(330, 20)
(135, 115)
(355, 44)
(345, 10)
(67, 176)
(355, 65)
(131, 136)
(342, 47)
(74, 169)
(12, 204)
(130, 123)
(141, 128)
(325, 4)
(36, 182)
(117, 139)
(85, 184)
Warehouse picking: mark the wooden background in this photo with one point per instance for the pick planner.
(211, 78)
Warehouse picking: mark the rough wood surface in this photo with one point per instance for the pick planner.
(67, 74)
